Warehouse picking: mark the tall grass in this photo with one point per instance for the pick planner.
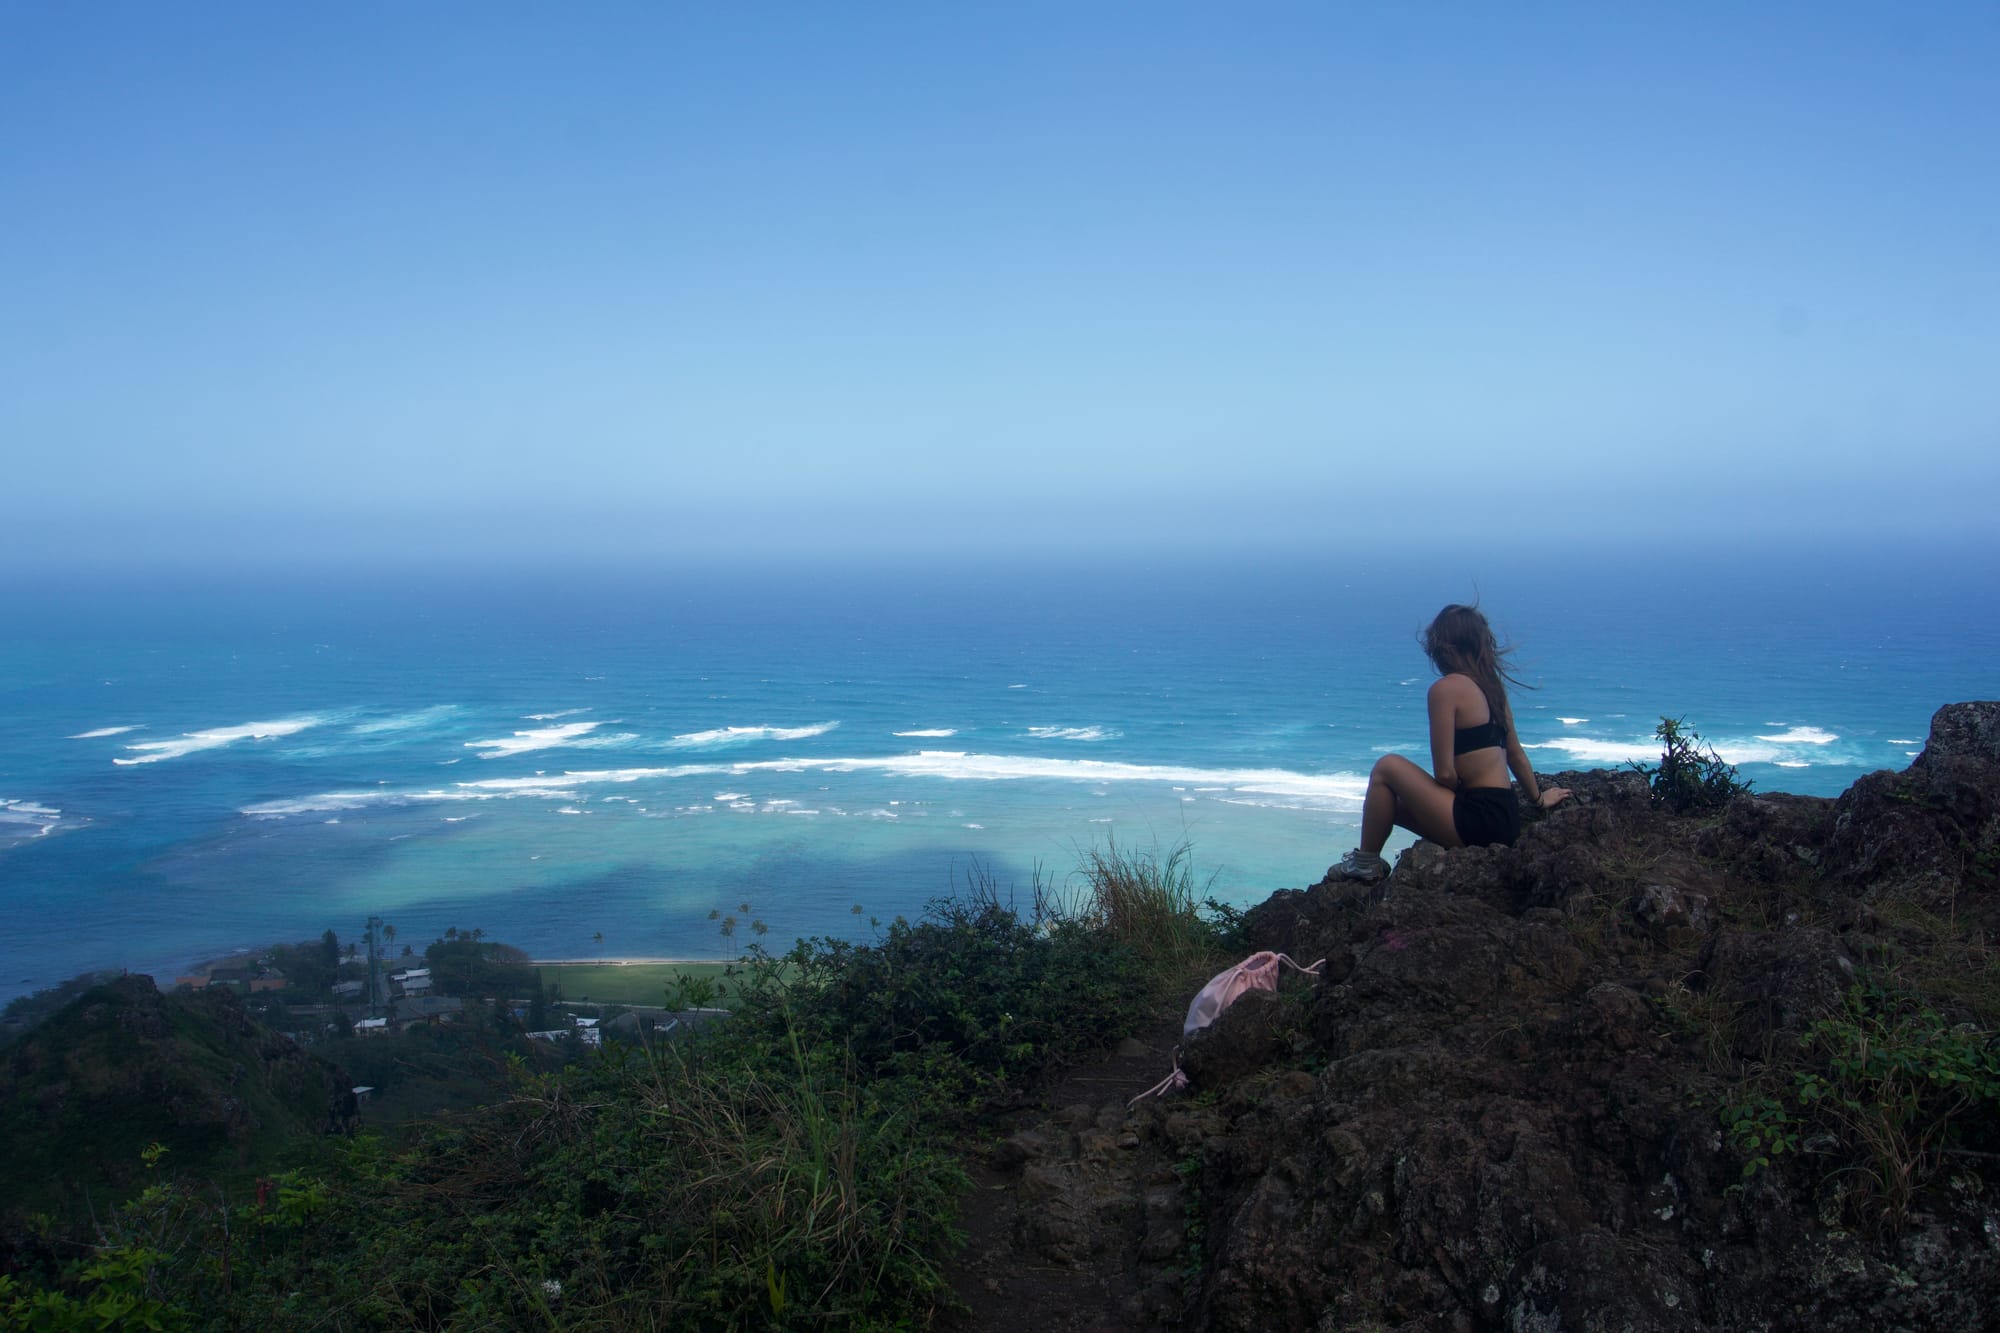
(1147, 901)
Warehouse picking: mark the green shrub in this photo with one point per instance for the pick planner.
(1691, 776)
(965, 1004)
(1759, 1128)
(1902, 1088)
(792, 1167)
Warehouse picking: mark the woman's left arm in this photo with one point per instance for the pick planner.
(1517, 759)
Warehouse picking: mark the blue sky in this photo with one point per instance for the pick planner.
(309, 281)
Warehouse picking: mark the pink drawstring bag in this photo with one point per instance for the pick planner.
(1259, 971)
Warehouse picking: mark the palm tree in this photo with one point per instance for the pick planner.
(389, 934)
(599, 937)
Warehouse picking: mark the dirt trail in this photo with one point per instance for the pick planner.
(1056, 1221)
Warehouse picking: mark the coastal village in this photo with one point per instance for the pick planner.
(321, 990)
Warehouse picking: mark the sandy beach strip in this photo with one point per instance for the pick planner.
(627, 962)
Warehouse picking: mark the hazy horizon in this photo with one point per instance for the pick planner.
(497, 283)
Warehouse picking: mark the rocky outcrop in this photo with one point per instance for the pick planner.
(1498, 1107)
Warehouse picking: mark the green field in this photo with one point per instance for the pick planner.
(627, 983)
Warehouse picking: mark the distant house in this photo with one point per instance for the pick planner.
(271, 979)
(429, 1008)
(348, 990)
(584, 1030)
(232, 975)
(371, 1027)
(193, 981)
(642, 1021)
(414, 981)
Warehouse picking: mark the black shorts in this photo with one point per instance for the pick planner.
(1483, 816)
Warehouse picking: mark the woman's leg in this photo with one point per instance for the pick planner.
(1401, 793)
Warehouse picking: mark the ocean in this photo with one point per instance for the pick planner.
(189, 766)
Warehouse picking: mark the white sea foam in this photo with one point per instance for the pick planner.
(1903, 741)
(1801, 736)
(1073, 733)
(930, 733)
(422, 717)
(1593, 751)
(20, 820)
(540, 738)
(550, 717)
(1337, 791)
(725, 736)
(151, 752)
(106, 731)
(1782, 749)
(21, 810)
(1572, 721)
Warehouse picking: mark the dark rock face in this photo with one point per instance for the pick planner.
(1929, 836)
(1497, 1108)
(1516, 1124)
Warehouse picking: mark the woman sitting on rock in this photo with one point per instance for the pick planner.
(1465, 800)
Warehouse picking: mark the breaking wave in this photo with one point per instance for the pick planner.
(721, 737)
(193, 742)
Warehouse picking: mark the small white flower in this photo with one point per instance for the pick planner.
(552, 1288)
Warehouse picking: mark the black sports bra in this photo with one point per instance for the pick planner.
(1482, 737)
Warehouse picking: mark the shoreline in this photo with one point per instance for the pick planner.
(629, 962)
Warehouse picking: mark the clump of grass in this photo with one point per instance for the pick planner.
(1956, 969)
(1704, 1017)
(1147, 901)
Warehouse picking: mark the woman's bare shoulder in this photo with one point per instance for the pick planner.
(1455, 685)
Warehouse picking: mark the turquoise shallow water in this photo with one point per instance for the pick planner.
(187, 768)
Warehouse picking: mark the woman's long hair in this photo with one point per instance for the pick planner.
(1461, 640)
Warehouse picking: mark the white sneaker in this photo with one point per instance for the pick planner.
(1367, 867)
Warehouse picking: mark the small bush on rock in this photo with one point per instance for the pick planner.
(1691, 776)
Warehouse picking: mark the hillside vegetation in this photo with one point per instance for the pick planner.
(794, 1165)
(122, 1068)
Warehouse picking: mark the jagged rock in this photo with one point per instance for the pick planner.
(1778, 984)
(1497, 1107)
(1963, 731)
(1248, 1035)
(1516, 1122)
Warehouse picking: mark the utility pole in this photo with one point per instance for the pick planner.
(374, 967)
